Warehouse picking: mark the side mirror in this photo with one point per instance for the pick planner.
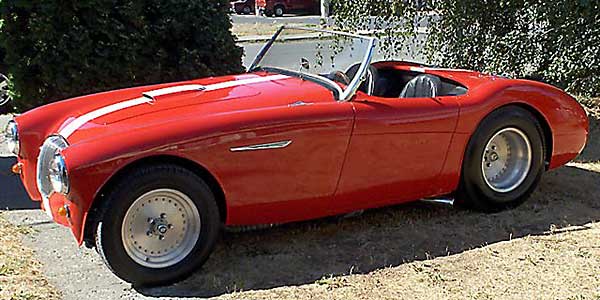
(305, 64)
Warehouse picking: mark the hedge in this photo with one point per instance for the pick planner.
(57, 49)
(553, 41)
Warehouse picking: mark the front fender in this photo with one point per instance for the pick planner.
(92, 164)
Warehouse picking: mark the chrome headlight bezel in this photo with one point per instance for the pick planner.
(52, 176)
(59, 179)
(11, 135)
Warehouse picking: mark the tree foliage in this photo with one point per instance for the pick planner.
(554, 41)
(59, 49)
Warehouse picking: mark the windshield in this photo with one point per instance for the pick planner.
(336, 60)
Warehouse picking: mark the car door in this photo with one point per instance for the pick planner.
(286, 164)
(397, 150)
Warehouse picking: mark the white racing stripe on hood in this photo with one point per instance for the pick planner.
(82, 120)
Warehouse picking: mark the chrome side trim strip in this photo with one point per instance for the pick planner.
(275, 145)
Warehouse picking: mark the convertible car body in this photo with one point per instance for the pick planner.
(160, 168)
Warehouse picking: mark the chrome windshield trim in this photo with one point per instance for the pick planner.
(274, 145)
(350, 91)
(360, 75)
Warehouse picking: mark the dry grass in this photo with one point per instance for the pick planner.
(20, 275)
(260, 29)
(242, 30)
(563, 264)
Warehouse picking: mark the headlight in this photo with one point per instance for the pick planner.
(12, 137)
(51, 168)
(58, 175)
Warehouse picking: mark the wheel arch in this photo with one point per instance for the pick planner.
(279, 4)
(97, 205)
(547, 134)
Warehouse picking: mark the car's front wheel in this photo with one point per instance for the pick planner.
(504, 161)
(160, 223)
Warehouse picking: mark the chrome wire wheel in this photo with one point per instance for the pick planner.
(506, 160)
(4, 90)
(160, 228)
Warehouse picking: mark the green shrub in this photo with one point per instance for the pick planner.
(553, 41)
(60, 49)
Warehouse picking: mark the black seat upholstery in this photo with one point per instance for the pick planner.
(422, 86)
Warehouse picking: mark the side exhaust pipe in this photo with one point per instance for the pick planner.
(445, 201)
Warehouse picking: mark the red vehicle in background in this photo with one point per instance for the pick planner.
(279, 7)
(245, 7)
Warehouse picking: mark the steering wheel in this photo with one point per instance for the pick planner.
(368, 86)
(340, 77)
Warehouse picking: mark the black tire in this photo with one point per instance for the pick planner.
(247, 10)
(279, 11)
(108, 237)
(474, 192)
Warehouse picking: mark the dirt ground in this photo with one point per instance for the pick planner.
(549, 248)
(21, 277)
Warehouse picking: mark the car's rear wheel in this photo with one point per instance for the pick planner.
(247, 9)
(160, 223)
(504, 161)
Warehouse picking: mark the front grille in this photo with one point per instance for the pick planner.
(53, 145)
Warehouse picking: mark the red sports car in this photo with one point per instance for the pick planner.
(150, 175)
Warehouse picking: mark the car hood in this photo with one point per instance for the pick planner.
(95, 115)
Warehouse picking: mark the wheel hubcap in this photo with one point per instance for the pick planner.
(506, 160)
(160, 228)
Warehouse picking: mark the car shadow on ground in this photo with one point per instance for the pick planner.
(303, 253)
(12, 192)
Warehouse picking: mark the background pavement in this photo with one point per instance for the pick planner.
(12, 193)
(293, 48)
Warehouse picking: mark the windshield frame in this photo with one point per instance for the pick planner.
(340, 94)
